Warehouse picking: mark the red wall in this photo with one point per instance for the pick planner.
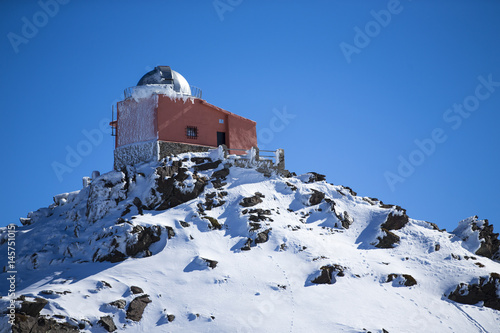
(175, 115)
(162, 118)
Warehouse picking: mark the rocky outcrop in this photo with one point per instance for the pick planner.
(316, 197)
(328, 274)
(144, 238)
(395, 221)
(40, 324)
(108, 323)
(401, 279)
(253, 200)
(486, 290)
(136, 307)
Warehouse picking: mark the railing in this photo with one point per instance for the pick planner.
(253, 155)
(195, 91)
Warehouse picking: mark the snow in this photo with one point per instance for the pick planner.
(146, 91)
(266, 289)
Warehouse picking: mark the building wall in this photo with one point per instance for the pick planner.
(136, 121)
(175, 115)
(242, 133)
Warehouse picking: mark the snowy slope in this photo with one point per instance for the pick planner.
(220, 248)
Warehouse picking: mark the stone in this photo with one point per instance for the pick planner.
(408, 279)
(33, 309)
(138, 203)
(388, 241)
(211, 263)
(136, 307)
(252, 201)
(395, 222)
(247, 245)
(119, 303)
(170, 232)
(486, 291)
(136, 290)
(263, 236)
(145, 238)
(315, 177)
(316, 197)
(108, 323)
(170, 318)
(207, 166)
(221, 174)
(328, 274)
(39, 324)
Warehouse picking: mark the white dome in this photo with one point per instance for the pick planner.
(165, 75)
(180, 84)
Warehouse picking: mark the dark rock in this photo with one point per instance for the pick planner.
(408, 279)
(291, 186)
(170, 318)
(490, 244)
(136, 290)
(211, 263)
(316, 197)
(170, 232)
(138, 203)
(136, 307)
(263, 236)
(171, 195)
(388, 241)
(25, 220)
(258, 214)
(437, 247)
(247, 245)
(33, 309)
(119, 303)
(351, 192)
(395, 222)
(114, 256)
(315, 177)
(207, 166)
(200, 160)
(108, 323)
(214, 223)
(253, 200)
(221, 174)
(486, 291)
(145, 238)
(434, 226)
(184, 224)
(328, 274)
(182, 175)
(39, 324)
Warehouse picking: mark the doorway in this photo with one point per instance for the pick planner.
(221, 138)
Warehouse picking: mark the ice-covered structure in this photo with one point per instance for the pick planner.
(164, 115)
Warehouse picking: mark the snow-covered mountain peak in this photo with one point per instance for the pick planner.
(197, 243)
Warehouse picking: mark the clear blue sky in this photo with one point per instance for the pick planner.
(361, 91)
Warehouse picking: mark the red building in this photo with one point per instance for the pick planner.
(163, 115)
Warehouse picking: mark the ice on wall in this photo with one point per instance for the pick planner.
(136, 121)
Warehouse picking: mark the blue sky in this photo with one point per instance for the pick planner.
(363, 91)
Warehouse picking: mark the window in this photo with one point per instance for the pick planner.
(192, 132)
(221, 121)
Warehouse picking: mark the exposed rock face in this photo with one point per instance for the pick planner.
(263, 236)
(316, 197)
(172, 195)
(211, 263)
(328, 274)
(486, 290)
(402, 279)
(136, 307)
(252, 201)
(145, 238)
(472, 229)
(136, 290)
(108, 323)
(120, 303)
(389, 240)
(33, 309)
(23, 324)
(315, 177)
(393, 222)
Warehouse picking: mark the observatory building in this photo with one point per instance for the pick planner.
(164, 115)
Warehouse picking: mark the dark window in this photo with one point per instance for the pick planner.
(192, 132)
(221, 138)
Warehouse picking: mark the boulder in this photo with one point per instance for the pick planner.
(328, 274)
(136, 290)
(486, 290)
(136, 307)
(108, 323)
(316, 197)
(145, 238)
(253, 200)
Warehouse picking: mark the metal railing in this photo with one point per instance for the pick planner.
(195, 91)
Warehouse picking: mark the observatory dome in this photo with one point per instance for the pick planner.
(165, 75)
